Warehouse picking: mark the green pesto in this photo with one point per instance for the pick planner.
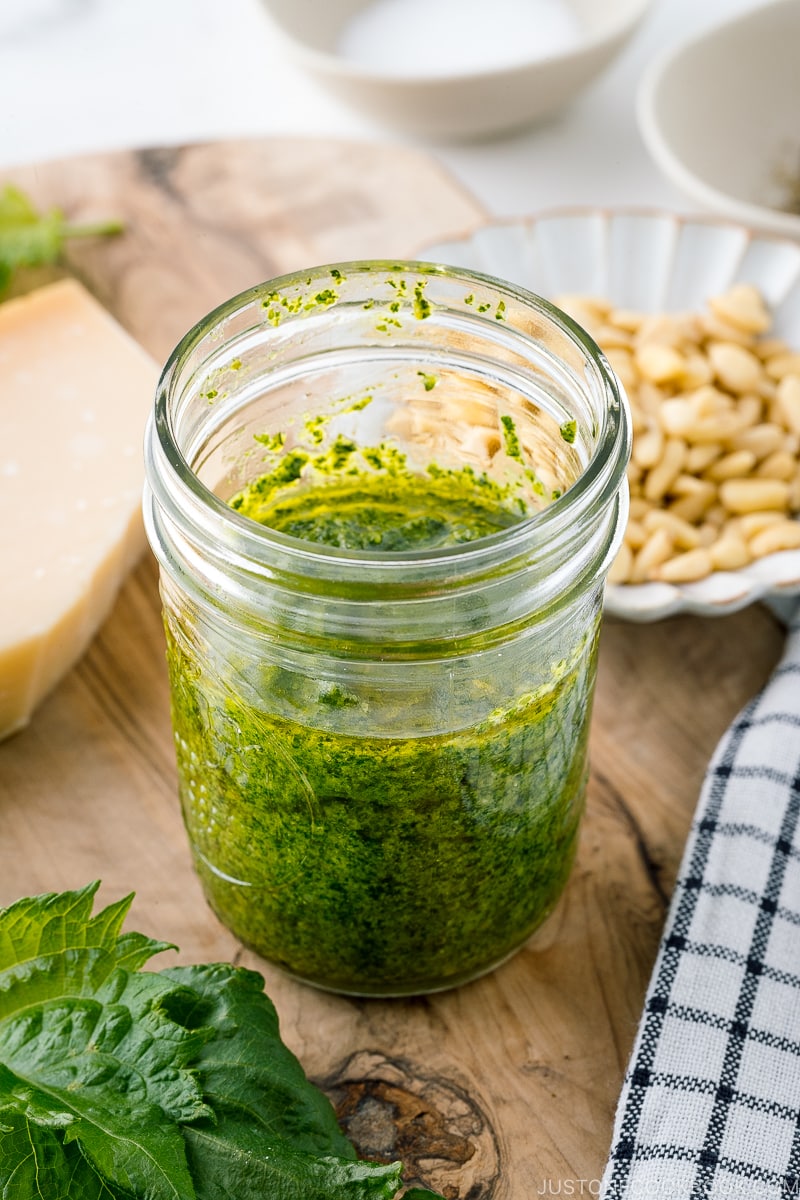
(272, 441)
(371, 864)
(511, 438)
(421, 306)
(355, 857)
(367, 498)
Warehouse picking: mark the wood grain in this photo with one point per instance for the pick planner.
(508, 1085)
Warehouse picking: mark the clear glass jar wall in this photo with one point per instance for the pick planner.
(382, 750)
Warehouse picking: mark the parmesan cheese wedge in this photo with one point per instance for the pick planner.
(75, 393)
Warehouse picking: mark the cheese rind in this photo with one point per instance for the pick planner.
(75, 394)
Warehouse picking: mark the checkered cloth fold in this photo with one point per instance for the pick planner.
(710, 1108)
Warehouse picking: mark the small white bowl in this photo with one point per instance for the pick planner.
(654, 262)
(721, 116)
(458, 105)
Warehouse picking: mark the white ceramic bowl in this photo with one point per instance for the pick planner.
(468, 104)
(653, 262)
(721, 116)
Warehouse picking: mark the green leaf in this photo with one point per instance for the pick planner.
(230, 1163)
(92, 1050)
(34, 1165)
(27, 239)
(119, 1083)
(15, 207)
(31, 239)
(32, 1161)
(52, 946)
(247, 1072)
(56, 1078)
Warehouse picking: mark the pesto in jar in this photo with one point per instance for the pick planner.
(359, 859)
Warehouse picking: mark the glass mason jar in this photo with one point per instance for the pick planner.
(382, 751)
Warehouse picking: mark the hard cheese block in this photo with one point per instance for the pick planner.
(75, 392)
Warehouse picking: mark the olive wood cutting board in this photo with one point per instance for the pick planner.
(504, 1088)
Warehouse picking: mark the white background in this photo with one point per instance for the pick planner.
(86, 75)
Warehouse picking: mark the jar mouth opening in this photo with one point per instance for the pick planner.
(599, 478)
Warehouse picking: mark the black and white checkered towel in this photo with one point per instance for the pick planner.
(710, 1109)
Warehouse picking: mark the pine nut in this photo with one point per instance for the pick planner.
(660, 364)
(709, 401)
(780, 465)
(691, 508)
(751, 524)
(750, 410)
(636, 534)
(794, 492)
(612, 336)
(666, 471)
(719, 428)
(697, 372)
(771, 348)
(684, 535)
(598, 306)
(735, 367)
(657, 549)
(717, 515)
(729, 553)
(690, 485)
(677, 416)
(789, 402)
(650, 398)
(685, 568)
(724, 331)
(481, 443)
(650, 448)
(760, 440)
(701, 456)
(715, 470)
(742, 306)
(735, 465)
(639, 508)
(620, 571)
(783, 535)
(783, 364)
(626, 318)
(663, 329)
(754, 495)
(624, 368)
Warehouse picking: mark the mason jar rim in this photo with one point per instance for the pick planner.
(599, 479)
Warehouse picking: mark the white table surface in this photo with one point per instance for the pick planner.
(89, 75)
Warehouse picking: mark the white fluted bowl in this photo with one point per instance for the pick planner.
(653, 262)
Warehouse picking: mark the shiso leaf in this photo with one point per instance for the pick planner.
(122, 1084)
(89, 1049)
(236, 1162)
(51, 946)
(246, 1071)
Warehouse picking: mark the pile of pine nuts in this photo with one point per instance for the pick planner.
(715, 468)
